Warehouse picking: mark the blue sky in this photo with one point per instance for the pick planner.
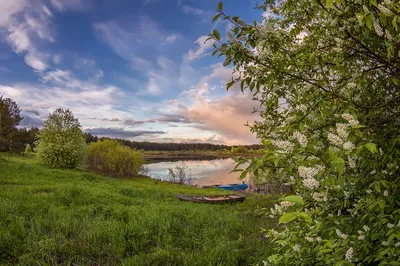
(134, 69)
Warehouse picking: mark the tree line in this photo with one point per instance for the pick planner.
(157, 146)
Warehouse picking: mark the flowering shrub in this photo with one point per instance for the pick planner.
(110, 158)
(327, 77)
(61, 141)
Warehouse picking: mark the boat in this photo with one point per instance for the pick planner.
(234, 187)
(212, 199)
(211, 186)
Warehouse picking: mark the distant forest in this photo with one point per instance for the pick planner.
(25, 136)
(155, 146)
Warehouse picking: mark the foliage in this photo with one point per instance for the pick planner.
(9, 120)
(28, 149)
(110, 158)
(70, 217)
(61, 141)
(327, 76)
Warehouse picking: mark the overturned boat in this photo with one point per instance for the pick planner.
(212, 199)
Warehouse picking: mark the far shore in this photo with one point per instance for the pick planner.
(195, 155)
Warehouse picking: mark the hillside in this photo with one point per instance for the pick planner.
(70, 217)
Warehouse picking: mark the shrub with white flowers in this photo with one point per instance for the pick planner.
(326, 74)
(61, 141)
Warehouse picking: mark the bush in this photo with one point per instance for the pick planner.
(109, 158)
(326, 74)
(61, 141)
(28, 149)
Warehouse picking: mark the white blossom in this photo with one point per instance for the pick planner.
(397, 244)
(388, 35)
(301, 138)
(385, 243)
(311, 183)
(340, 234)
(389, 225)
(286, 204)
(296, 248)
(349, 254)
(284, 145)
(368, 191)
(348, 146)
(334, 139)
(378, 28)
(309, 239)
(352, 85)
(385, 193)
(347, 116)
(319, 196)
(307, 172)
(319, 239)
(385, 10)
(352, 163)
(366, 228)
(341, 130)
(361, 237)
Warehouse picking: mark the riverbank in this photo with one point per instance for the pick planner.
(66, 217)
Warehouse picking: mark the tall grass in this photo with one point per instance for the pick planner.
(70, 217)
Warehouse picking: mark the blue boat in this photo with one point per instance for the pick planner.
(234, 187)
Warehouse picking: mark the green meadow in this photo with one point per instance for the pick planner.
(72, 217)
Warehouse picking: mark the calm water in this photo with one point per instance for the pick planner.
(204, 172)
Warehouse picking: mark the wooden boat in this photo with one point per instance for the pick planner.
(234, 187)
(211, 186)
(212, 199)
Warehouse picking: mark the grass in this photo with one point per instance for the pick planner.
(70, 217)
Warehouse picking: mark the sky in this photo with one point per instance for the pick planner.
(132, 69)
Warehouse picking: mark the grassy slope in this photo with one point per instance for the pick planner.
(68, 217)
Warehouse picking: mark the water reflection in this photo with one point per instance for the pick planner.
(204, 172)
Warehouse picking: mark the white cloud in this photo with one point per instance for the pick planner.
(8, 8)
(204, 15)
(36, 60)
(62, 5)
(9, 91)
(193, 10)
(203, 47)
(19, 39)
(171, 38)
(57, 58)
(27, 24)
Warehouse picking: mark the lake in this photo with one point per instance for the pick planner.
(204, 172)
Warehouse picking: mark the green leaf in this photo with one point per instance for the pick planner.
(332, 155)
(305, 217)
(295, 199)
(328, 3)
(220, 6)
(368, 22)
(287, 217)
(243, 174)
(373, 2)
(226, 63)
(216, 17)
(340, 164)
(360, 17)
(216, 34)
(371, 147)
(235, 19)
(394, 23)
